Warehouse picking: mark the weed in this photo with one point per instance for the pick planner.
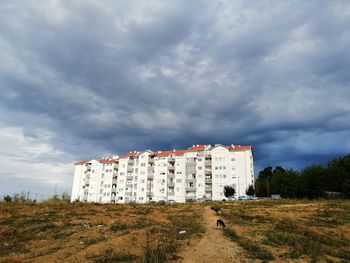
(253, 248)
(118, 227)
(89, 242)
(111, 255)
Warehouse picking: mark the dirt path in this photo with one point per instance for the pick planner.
(213, 247)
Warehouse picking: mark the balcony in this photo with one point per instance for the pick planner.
(129, 177)
(191, 189)
(151, 161)
(130, 162)
(150, 176)
(209, 180)
(171, 168)
(207, 157)
(208, 189)
(171, 193)
(207, 163)
(130, 169)
(208, 171)
(171, 159)
(190, 180)
(171, 184)
(171, 175)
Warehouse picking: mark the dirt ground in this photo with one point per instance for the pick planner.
(256, 231)
(213, 246)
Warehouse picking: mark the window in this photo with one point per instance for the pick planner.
(178, 180)
(224, 176)
(224, 167)
(143, 164)
(199, 167)
(178, 172)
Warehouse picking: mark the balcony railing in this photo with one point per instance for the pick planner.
(171, 184)
(208, 189)
(207, 156)
(208, 171)
(171, 167)
(191, 189)
(150, 176)
(190, 180)
(129, 177)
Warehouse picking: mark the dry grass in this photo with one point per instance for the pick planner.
(57, 231)
(277, 231)
(291, 230)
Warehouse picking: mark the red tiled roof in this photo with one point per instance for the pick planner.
(109, 160)
(167, 153)
(81, 162)
(197, 148)
(130, 154)
(239, 148)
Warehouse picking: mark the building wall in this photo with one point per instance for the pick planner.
(163, 176)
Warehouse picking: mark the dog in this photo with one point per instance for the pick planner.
(220, 223)
(217, 210)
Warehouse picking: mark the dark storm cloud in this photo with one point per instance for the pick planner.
(81, 79)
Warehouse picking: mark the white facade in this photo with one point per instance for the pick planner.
(201, 171)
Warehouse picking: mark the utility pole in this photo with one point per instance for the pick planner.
(28, 195)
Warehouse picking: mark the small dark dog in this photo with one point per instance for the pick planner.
(217, 210)
(220, 223)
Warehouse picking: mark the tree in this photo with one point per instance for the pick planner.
(229, 191)
(7, 199)
(250, 190)
(65, 195)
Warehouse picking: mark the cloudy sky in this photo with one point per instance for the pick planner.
(84, 79)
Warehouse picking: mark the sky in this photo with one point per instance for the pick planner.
(87, 78)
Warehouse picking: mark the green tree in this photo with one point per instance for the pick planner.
(229, 191)
(250, 190)
(7, 199)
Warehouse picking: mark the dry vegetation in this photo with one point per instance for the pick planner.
(291, 231)
(276, 231)
(58, 231)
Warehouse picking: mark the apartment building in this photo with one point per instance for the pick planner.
(199, 172)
